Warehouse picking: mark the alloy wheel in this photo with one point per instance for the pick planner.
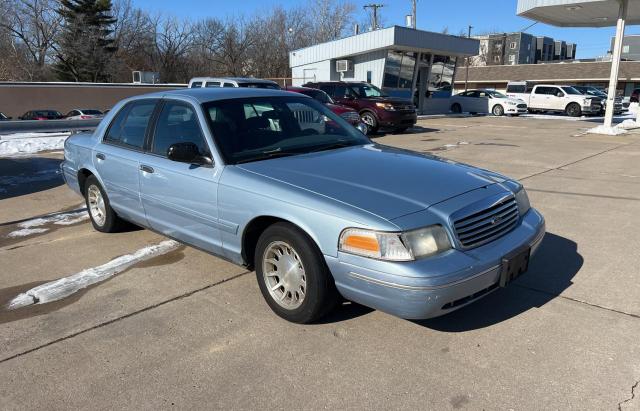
(97, 208)
(284, 275)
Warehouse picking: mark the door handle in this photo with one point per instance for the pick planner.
(100, 156)
(146, 169)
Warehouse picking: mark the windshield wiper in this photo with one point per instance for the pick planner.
(332, 146)
(267, 155)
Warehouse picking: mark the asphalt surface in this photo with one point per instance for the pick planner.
(187, 330)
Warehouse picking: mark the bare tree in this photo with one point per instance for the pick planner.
(33, 26)
(331, 18)
(173, 41)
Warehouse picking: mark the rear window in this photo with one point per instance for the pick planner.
(196, 84)
(259, 85)
(212, 84)
(92, 112)
(517, 88)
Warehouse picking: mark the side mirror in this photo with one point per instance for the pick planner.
(363, 128)
(187, 153)
(559, 94)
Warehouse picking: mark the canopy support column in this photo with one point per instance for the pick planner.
(615, 62)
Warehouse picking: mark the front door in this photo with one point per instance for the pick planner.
(180, 199)
(116, 158)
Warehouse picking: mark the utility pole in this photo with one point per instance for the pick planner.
(466, 77)
(374, 7)
(413, 13)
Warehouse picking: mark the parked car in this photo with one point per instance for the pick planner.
(635, 95)
(561, 99)
(41, 115)
(247, 82)
(83, 114)
(596, 92)
(376, 109)
(317, 214)
(487, 101)
(348, 113)
(4, 117)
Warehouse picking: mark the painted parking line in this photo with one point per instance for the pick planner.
(64, 287)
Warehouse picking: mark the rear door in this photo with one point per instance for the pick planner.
(180, 199)
(117, 157)
(540, 98)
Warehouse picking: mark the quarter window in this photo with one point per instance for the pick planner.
(177, 123)
(130, 125)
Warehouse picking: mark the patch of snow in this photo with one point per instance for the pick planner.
(64, 287)
(34, 225)
(629, 124)
(26, 232)
(29, 143)
(609, 131)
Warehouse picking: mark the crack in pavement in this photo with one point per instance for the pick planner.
(613, 310)
(123, 317)
(633, 395)
(577, 161)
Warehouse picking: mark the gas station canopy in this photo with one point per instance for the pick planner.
(578, 13)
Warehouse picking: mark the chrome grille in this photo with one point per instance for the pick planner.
(305, 116)
(487, 225)
(351, 116)
(521, 105)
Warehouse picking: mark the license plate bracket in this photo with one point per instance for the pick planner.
(514, 265)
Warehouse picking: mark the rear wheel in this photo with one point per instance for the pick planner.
(370, 120)
(292, 274)
(103, 218)
(573, 110)
(456, 108)
(497, 110)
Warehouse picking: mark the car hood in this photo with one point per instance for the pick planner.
(385, 181)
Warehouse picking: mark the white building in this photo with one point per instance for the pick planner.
(404, 62)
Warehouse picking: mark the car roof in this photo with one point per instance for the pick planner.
(204, 95)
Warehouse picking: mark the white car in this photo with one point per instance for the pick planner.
(83, 114)
(487, 101)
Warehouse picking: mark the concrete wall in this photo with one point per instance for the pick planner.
(18, 98)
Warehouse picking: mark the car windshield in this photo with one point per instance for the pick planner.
(495, 94)
(318, 95)
(91, 112)
(367, 90)
(259, 128)
(259, 85)
(571, 90)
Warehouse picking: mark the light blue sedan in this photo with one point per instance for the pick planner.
(275, 181)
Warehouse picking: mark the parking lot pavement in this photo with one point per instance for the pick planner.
(189, 330)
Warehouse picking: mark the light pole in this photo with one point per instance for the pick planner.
(466, 76)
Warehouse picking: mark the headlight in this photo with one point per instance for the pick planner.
(523, 201)
(395, 246)
(386, 106)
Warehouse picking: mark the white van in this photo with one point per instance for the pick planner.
(197, 82)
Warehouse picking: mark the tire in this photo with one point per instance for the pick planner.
(573, 110)
(456, 108)
(497, 110)
(370, 120)
(306, 293)
(102, 216)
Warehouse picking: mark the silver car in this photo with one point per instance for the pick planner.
(275, 181)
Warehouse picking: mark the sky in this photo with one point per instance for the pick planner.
(433, 15)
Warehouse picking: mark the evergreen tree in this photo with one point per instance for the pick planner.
(86, 45)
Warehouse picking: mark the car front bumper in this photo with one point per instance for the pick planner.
(509, 109)
(433, 286)
(397, 119)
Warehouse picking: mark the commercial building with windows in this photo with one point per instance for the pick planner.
(521, 48)
(630, 47)
(404, 62)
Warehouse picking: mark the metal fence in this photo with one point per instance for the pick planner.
(40, 126)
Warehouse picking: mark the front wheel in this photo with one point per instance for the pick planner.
(102, 216)
(573, 110)
(292, 274)
(497, 110)
(370, 120)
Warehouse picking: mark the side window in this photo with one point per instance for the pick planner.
(341, 91)
(542, 90)
(130, 125)
(329, 89)
(177, 123)
(212, 84)
(196, 84)
(228, 85)
(556, 91)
